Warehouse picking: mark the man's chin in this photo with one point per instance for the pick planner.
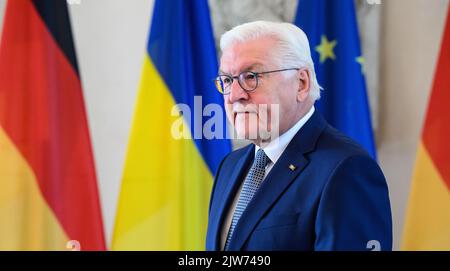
(245, 134)
(253, 135)
(242, 131)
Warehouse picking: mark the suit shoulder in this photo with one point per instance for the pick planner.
(336, 145)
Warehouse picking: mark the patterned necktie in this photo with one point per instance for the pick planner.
(251, 184)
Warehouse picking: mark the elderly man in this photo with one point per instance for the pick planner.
(306, 186)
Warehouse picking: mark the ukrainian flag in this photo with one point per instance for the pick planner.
(166, 182)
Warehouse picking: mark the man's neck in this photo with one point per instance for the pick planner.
(273, 136)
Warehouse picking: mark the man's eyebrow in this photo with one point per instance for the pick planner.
(253, 66)
(247, 68)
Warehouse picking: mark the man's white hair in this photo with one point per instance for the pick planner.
(292, 46)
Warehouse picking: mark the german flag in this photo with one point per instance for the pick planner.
(428, 216)
(48, 192)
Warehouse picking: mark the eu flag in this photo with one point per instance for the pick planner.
(333, 35)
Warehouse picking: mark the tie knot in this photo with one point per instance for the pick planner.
(261, 159)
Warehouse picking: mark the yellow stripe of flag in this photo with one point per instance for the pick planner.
(166, 184)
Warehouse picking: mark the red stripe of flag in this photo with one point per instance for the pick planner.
(436, 131)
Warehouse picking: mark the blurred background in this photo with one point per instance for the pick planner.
(400, 39)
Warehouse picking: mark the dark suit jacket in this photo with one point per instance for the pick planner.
(335, 199)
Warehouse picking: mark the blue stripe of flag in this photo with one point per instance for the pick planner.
(181, 46)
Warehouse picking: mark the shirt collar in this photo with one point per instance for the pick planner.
(275, 148)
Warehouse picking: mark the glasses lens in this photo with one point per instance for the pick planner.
(219, 85)
(248, 81)
(223, 83)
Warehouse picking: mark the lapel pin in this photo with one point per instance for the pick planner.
(292, 167)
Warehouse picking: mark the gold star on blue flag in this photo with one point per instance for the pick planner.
(326, 49)
(333, 35)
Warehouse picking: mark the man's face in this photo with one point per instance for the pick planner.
(252, 113)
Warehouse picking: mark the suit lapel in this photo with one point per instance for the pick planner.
(279, 178)
(226, 195)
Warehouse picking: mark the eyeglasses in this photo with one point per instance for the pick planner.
(247, 80)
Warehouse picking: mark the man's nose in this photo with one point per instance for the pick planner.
(237, 93)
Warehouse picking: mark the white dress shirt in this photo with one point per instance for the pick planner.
(273, 150)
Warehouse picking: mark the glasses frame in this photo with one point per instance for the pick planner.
(237, 77)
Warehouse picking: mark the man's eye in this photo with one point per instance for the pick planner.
(249, 76)
(226, 80)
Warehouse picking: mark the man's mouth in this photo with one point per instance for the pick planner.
(242, 112)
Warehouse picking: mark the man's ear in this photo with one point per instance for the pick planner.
(303, 86)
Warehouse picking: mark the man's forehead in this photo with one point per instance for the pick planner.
(249, 55)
